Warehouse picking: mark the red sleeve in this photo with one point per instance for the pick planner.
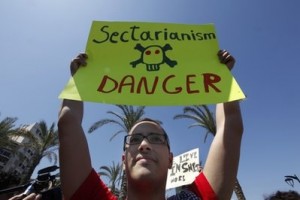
(93, 189)
(202, 188)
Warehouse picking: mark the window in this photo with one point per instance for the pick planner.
(21, 165)
(3, 159)
(5, 153)
(38, 132)
(30, 152)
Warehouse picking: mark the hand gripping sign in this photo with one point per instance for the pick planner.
(136, 63)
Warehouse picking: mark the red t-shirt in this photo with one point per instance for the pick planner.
(94, 189)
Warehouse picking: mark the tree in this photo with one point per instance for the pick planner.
(7, 129)
(204, 118)
(125, 121)
(114, 175)
(45, 146)
(9, 148)
(8, 179)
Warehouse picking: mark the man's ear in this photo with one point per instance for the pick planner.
(170, 160)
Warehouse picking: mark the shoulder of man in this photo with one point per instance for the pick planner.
(184, 195)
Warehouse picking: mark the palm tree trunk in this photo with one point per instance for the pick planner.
(238, 191)
(123, 193)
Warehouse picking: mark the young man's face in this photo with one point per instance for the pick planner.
(147, 160)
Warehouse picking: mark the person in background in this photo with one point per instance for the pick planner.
(286, 195)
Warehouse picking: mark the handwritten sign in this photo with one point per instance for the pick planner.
(138, 63)
(184, 170)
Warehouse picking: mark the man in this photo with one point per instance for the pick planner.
(147, 156)
(146, 163)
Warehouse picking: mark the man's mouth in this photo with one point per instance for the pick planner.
(145, 158)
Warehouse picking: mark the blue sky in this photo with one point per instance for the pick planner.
(38, 39)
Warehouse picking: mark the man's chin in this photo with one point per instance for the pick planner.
(143, 172)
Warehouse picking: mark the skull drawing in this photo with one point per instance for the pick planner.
(153, 56)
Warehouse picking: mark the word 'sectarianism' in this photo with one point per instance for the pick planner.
(135, 33)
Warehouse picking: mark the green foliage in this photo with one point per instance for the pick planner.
(7, 130)
(8, 180)
(45, 146)
(125, 120)
(202, 116)
(114, 175)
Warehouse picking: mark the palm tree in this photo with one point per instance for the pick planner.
(203, 117)
(125, 120)
(45, 146)
(7, 129)
(113, 173)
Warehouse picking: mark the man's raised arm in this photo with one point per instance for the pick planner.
(74, 156)
(223, 158)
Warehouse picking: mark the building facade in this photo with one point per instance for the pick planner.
(19, 161)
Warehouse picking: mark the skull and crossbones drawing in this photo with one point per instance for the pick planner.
(153, 56)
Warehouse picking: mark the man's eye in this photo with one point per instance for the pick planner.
(135, 139)
(156, 138)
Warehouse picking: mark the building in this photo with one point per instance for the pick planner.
(19, 162)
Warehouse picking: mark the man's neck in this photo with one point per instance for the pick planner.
(146, 192)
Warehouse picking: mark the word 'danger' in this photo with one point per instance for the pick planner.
(193, 84)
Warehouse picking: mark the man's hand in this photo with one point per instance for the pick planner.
(226, 58)
(80, 60)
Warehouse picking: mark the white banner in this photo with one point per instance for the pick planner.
(184, 169)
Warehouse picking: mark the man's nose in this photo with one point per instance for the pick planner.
(145, 144)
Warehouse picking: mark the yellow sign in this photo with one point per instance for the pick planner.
(137, 63)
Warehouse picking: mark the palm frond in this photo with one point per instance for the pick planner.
(103, 122)
(202, 117)
(125, 119)
(113, 173)
(115, 134)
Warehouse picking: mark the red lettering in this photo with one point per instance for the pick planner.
(188, 83)
(164, 86)
(103, 83)
(143, 83)
(210, 80)
(123, 83)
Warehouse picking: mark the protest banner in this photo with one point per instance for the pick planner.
(184, 170)
(143, 63)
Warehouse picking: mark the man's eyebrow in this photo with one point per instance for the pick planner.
(156, 133)
(138, 133)
(147, 133)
